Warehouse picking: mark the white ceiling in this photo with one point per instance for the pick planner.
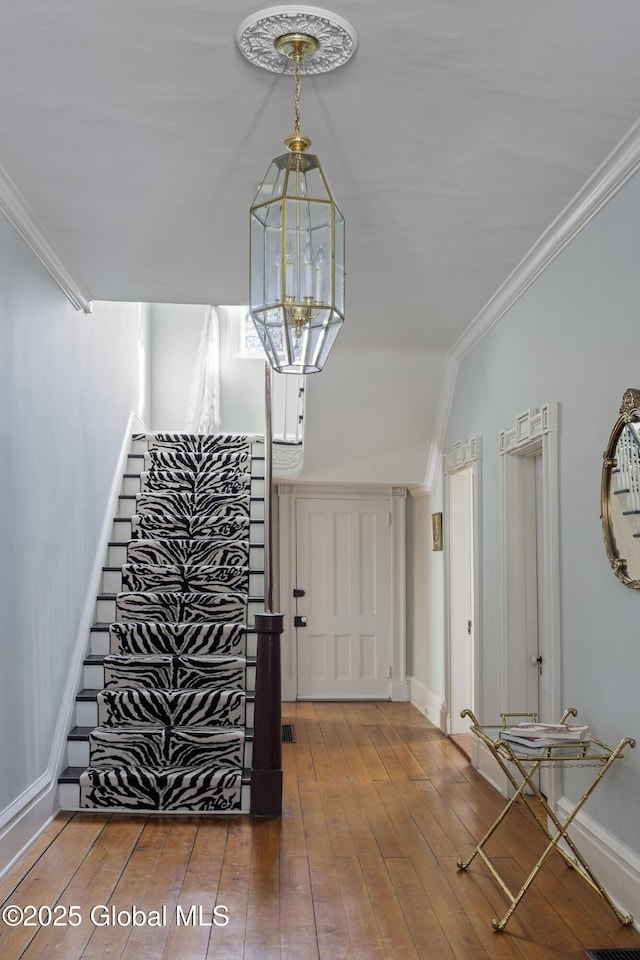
(137, 132)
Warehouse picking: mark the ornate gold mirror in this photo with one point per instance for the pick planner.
(620, 493)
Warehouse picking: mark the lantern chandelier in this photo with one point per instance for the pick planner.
(297, 231)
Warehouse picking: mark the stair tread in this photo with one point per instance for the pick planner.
(80, 733)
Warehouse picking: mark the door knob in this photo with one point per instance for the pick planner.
(299, 621)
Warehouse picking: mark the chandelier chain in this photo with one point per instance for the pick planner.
(296, 71)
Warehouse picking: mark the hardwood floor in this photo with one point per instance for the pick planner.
(378, 806)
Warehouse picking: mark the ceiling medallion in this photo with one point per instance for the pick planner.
(257, 36)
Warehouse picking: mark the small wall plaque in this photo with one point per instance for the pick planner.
(436, 531)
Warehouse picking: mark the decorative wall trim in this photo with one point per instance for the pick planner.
(462, 455)
(20, 215)
(529, 427)
(621, 164)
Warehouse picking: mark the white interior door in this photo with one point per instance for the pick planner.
(344, 569)
(461, 625)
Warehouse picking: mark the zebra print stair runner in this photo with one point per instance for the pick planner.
(172, 714)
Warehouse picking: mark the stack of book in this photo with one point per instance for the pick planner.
(528, 737)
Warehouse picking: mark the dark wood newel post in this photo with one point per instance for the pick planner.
(266, 766)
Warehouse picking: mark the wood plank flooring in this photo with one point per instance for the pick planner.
(378, 806)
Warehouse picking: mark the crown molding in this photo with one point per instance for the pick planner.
(621, 164)
(20, 215)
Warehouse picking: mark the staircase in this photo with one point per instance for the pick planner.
(164, 720)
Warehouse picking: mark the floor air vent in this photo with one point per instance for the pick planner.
(289, 736)
(614, 954)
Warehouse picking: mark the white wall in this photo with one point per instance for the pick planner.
(367, 422)
(68, 382)
(175, 336)
(572, 338)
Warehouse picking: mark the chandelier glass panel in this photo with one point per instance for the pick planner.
(297, 264)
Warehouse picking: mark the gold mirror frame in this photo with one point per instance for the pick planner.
(629, 413)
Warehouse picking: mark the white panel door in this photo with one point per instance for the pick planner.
(344, 569)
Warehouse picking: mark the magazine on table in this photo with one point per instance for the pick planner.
(536, 736)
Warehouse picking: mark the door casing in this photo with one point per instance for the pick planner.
(463, 456)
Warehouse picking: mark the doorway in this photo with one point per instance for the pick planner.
(531, 614)
(343, 575)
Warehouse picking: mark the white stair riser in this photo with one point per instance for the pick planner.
(94, 677)
(69, 796)
(121, 532)
(99, 643)
(111, 581)
(116, 555)
(87, 713)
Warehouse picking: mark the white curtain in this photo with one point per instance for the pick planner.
(203, 415)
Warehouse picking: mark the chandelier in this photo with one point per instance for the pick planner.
(297, 232)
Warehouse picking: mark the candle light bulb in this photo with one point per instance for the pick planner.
(319, 274)
(288, 274)
(308, 270)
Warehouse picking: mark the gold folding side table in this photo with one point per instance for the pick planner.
(520, 766)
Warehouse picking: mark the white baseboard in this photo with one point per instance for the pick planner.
(24, 819)
(401, 690)
(487, 766)
(289, 691)
(32, 811)
(428, 703)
